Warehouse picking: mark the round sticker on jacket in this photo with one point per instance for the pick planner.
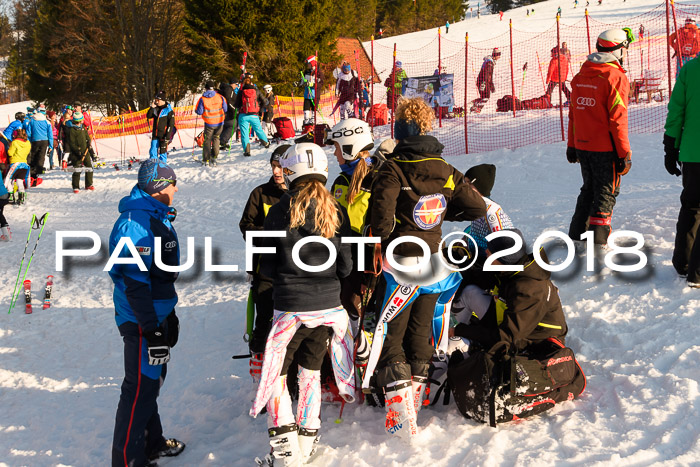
(428, 211)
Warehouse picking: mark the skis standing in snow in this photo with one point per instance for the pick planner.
(261, 199)
(145, 302)
(308, 311)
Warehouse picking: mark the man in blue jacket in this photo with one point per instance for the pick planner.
(6, 135)
(212, 107)
(40, 135)
(144, 302)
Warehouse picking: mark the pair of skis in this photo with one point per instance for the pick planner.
(37, 223)
(28, 294)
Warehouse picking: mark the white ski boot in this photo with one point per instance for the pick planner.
(308, 442)
(418, 385)
(285, 446)
(400, 410)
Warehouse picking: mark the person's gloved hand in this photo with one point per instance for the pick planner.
(173, 329)
(671, 156)
(623, 164)
(571, 155)
(158, 350)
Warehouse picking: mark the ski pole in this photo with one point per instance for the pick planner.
(19, 273)
(242, 356)
(41, 221)
(523, 81)
(194, 139)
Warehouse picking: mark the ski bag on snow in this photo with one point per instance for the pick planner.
(284, 127)
(491, 387)
(506, 103)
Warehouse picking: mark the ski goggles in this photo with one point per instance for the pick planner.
(630, 36)
(172, 181)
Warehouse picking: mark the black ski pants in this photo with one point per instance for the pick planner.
(137, 428)
(226, 133)
(81, 160)
(308, 348)
(595, 203)
(564, 89)
(686, 254)
(37, 157)
(210, 148)
(264, 310)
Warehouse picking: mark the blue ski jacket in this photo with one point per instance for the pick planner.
(7, 133)
(39, 129)
(144, 297)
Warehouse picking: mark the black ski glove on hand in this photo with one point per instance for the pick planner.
(571, 155)
(623, 164)
(671, 157)
(158, 350)
(173, 329)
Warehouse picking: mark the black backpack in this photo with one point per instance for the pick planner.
(493, 387)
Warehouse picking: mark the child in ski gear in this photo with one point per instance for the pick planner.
(365, 102)
(212, 107)
(41, 136)
(681, 143)
(413, 193)
(163, 124)
(394, 85)
(261, 199)
(308, 83)
(144, 303)
(598, 133)
(79, 144)
(557, 63)
(268, 111)
(685, 43)
(249, 103)
(484, 82)
(347, 88)
(18, 173)
(308, 312)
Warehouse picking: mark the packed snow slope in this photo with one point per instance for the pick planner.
(635, 334)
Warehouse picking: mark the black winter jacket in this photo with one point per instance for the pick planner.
(164, 121)
(297, 290)
(415, 191)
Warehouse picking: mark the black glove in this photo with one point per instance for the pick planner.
(571, 155)
(671, 157)
(173, 329)
(623, 164)
(163, 145)
(158, 350)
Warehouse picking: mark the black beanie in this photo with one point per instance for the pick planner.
(279, 152)
(482, 177)
(501, 243)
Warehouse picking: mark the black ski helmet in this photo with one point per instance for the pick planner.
(20, 116)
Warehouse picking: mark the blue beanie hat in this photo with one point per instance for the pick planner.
(502, 243)
(403, 129)
(155, 176)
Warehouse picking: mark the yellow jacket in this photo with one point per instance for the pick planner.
(19, 150)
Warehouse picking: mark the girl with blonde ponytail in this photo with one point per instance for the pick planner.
(308, 309)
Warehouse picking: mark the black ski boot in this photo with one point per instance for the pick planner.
(170, 448)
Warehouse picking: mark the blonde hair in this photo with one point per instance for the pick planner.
(416, 110)
(361, 171)
(326, 217)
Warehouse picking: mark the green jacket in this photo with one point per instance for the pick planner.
(684, 112)
(78, 140)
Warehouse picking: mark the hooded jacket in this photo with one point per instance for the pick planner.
(262, 101)
(297, 290)
(19, 150)
(164, 121)
(683, 118)
(212, 107)
(526, 309)
(7, 133)
(39, 129)
(486, 75)
(553, 70)
(415, 191)
(598, 106)
(144, 297)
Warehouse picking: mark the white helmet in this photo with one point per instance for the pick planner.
(304, 160)
(267, 88)
(353, 135)
(613, 40)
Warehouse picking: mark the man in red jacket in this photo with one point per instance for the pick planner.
(559, 62)
(598, 133)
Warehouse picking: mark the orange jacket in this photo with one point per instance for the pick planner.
(688, 45)
(598, 106)
(553, 71)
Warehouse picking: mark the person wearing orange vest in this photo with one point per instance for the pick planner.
(598, 133)
(212, 107)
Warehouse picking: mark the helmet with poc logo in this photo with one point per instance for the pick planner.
(304, 161)
(352, 135)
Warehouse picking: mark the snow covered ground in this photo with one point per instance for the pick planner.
(60, 369)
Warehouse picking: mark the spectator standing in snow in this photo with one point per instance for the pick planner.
(144, 303)
(393, 85)
(347, 89)
(484, 82)
(682, 148)
(229, 93)
(308, 83)
(598, 134)
(79, 144)
(268, 111)
(250, 102)
(63, 125)
(365, 102)
(163, 125)
(212, 107)
(260, 200)
(557, 63)
(41, 136)
(52, 119)
(87, 123)
(447, 27)
(686, 43)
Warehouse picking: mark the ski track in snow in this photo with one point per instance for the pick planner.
(634, 334)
